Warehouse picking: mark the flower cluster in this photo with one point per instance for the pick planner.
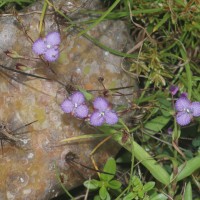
(186, 110)
(48, 46)
(75, 104)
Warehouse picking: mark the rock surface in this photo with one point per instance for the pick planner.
(27, 165)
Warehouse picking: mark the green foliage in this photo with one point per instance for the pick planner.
(187, 168)
(138, 190)
(196, 142)
(171, 28)
(106, 181)
(20, 3)
(188, 192)
(148, 161)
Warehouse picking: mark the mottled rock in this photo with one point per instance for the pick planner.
(27, 165)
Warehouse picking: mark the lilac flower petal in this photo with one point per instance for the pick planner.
(100, 103)
(182, 103)
(173, 89)
(67, 106)
(53, 38)
(39, 47)
(51, 55)
(77, 98)
(81, 111)
(195, 107)
(111, 117)
(183, 118)
(96, 119)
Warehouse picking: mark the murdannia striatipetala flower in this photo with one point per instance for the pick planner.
(102, 114)
(186, 110)
(75, 105)
(48, 46)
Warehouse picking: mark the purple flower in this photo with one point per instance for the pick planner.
(184, 94)
(48, 46)
(52, 39)
(39, 46)
(186, 110)
(173, 89)
(51, 55)
(103, 114)
(75, 105)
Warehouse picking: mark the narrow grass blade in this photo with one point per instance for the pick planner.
(106, 48)
(62, 185)
(42, 16)
(188, 72)
(24, 73)
(100, 19)
(82, 137)
(163, 20)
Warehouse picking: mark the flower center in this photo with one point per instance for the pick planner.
(48, 46)
(102, 114)
(75, 105)
(188, 110)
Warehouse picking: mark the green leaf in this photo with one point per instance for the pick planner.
(155, 125)
(136, 188)
(141, 194)
(136, 182)
(130, 196)
(114, 184)
(92, 184)
(103, 192)
(87, 95)
(196, 142)
(148, 186)
(159, 197)
(97, 197)
(109, 167)
(145, 159)
(188, 192)
(165, 105)
(186, 169)
(107, 129)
